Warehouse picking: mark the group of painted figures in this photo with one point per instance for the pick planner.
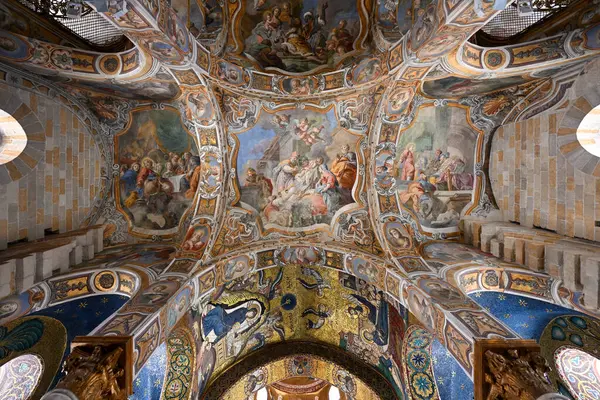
(422, 176)
(445, 171)
(142, 180)
(151, 182)
(305, 191)
(286, 41)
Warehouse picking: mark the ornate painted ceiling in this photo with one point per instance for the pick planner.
(342, 140)
(365, 125)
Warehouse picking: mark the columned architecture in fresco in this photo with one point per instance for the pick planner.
(299, 200)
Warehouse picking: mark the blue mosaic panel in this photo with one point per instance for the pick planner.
(451, 381)
(81, 316)
(527, 317)
(148, 384)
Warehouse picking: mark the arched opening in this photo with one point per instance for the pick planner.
(12, 138)
(20, 376)
(580, 371)
(248, 314)
(588, 132)
(311, 365)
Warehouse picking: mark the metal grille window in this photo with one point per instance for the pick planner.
(90, 27)
(509, 23)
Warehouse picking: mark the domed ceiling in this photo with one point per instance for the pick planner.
(333, 137)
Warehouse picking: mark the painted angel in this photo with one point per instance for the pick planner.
(307, 132)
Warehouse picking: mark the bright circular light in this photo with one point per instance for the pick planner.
(19, 377)
(262, 394)
(334, 393)
(588, 132)
(580, 372)
(12, 138)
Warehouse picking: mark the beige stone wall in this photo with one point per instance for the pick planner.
(533, 168)
(58, 189)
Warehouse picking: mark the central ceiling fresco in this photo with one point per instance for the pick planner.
(298, 168)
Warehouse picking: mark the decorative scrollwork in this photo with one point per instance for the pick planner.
(516, 376)
(240, 113)
(355, 113)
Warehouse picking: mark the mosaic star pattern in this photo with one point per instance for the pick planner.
(526, 316)
(148, 383)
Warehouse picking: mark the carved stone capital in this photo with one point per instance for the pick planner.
(510, 370)
(97, 368)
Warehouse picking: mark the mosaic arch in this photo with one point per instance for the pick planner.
(440, 306)
(274, 375)
(312, 360)
(289, 303)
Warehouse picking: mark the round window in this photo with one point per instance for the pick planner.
(12, 138)
(588, 132)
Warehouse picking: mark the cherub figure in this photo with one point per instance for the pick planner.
(308, 133)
